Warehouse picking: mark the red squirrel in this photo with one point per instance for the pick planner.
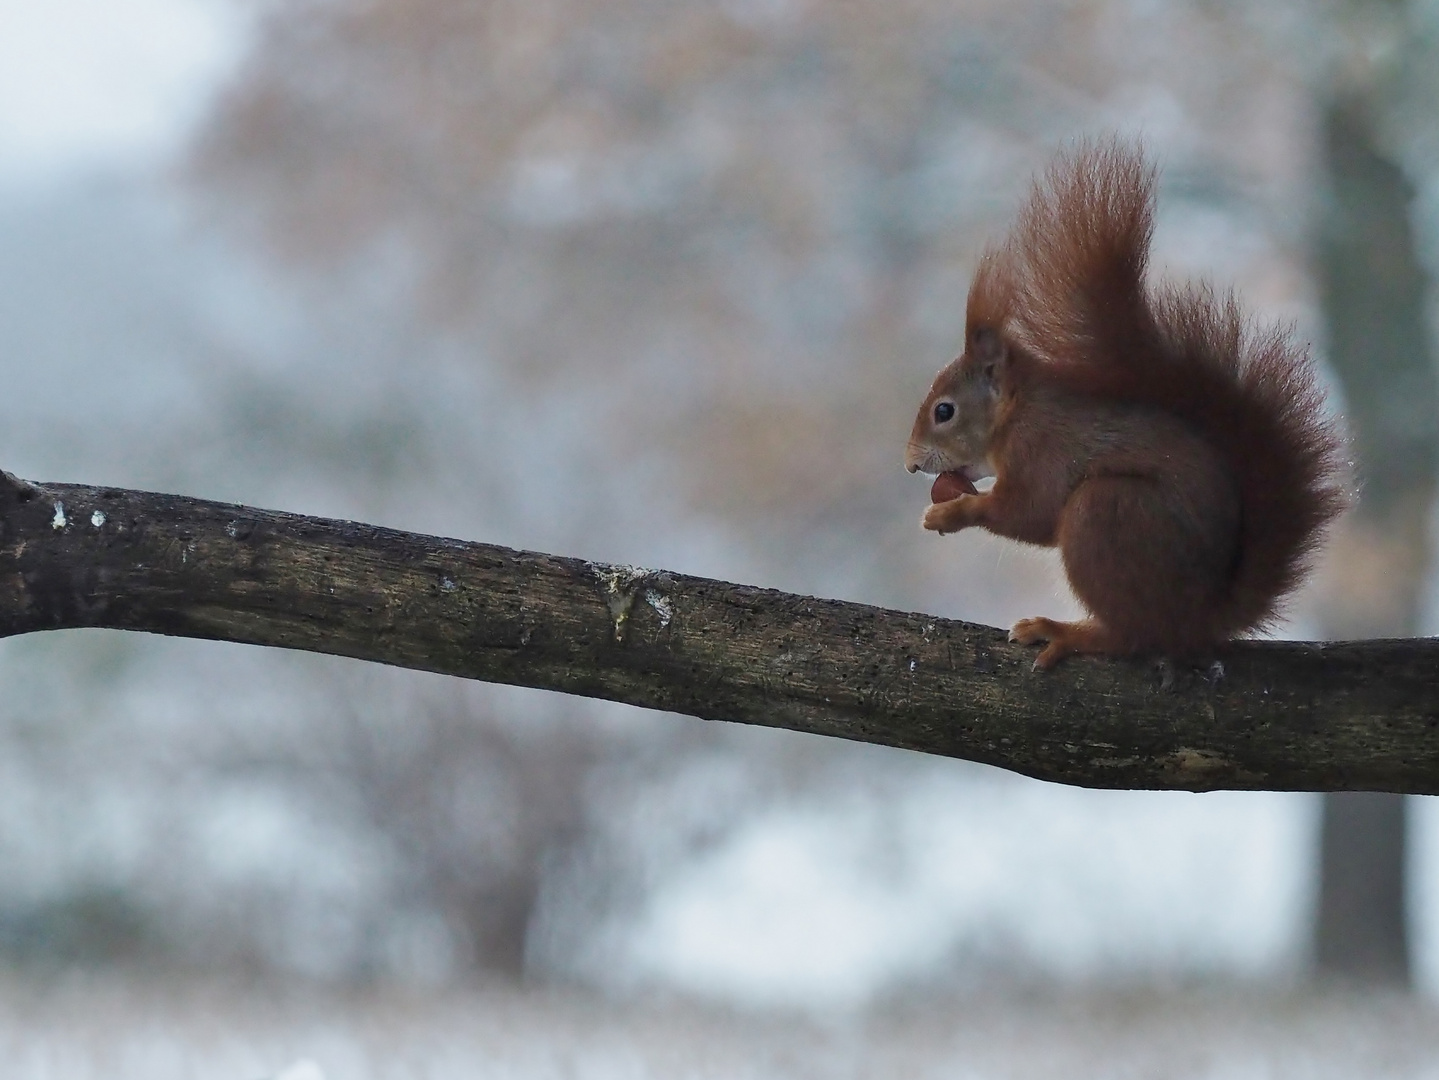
(1179, 457)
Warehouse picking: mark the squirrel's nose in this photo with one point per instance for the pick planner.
(910, 466)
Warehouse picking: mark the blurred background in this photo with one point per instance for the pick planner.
(662, 284)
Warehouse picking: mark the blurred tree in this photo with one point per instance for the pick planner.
(739, 233)
(1374, 293)
(471, 807)
(698, 230)
(723, 245)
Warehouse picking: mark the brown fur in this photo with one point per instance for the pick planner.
(1179, 457)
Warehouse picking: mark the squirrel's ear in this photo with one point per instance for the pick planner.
(988, 352)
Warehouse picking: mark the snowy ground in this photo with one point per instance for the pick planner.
(108, 1027)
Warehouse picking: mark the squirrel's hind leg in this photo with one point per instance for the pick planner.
(1150, 557)
(1063, 638)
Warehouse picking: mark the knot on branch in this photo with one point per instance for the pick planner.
(622, 585)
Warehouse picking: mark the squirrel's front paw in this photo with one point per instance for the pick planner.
(947, 517)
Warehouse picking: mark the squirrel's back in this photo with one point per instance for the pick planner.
(1068, 290)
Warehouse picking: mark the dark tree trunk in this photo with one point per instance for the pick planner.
(1373, 293)
(1361, 927)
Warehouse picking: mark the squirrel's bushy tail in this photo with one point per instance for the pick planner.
(1257, 393)
(1068, 287)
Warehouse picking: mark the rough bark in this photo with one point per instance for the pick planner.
(1297, 716)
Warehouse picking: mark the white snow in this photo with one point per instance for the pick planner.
(829, 904)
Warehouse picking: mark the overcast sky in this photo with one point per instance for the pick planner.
(87, 83)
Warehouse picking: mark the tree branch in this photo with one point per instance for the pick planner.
(1294, 716)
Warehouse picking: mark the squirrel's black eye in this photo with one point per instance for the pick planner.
(943, 412)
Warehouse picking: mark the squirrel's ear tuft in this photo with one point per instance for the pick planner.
(988, 353)
(992, 292)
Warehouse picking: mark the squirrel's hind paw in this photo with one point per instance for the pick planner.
(1034, 631)
(1064, 639)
